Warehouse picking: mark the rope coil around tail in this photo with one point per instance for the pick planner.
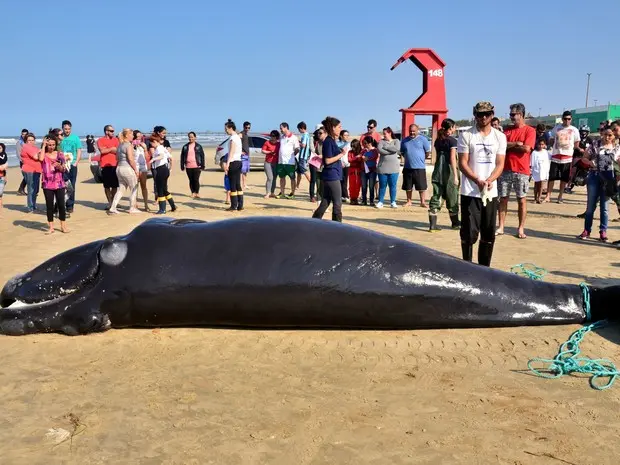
(567, 361)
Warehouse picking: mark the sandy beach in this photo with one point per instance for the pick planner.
(211, 396)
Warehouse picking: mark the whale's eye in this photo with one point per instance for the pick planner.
(113, 252)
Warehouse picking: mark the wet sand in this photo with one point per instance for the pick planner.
(200, 396)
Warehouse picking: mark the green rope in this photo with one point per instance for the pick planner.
(567, 361)
(529, 270)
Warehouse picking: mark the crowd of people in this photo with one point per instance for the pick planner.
(473, 175)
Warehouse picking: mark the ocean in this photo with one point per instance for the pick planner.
(177, 140)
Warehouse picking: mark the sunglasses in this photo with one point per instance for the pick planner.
(512, 115)
(370, 127)
(484, 114)
(567, 119)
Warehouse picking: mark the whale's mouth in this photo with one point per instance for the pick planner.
(53, 281)
(14, 304)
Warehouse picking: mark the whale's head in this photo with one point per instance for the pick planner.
(38, 300)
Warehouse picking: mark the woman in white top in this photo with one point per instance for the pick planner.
(139, 150)
(344, 144)
(232, 167)
(159, 162)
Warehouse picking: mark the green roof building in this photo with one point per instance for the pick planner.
(592, 116)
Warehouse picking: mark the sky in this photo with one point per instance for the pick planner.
(191, 65)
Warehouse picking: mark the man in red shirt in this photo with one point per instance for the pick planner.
(521, 140)
(372, 131)
(107, 147)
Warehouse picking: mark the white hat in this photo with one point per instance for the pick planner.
(318, 126)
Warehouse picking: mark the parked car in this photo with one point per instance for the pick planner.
(257, 157)
(95, 169)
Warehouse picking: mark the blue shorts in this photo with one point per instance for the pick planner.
(226, 182)
(302, 166)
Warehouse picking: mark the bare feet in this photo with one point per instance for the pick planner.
(50, 232)
(521, 234)
(407, 204)
(424, 205)
(65, 230)
(134, 210)
(266, 196)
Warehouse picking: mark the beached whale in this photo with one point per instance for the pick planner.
(276, 272)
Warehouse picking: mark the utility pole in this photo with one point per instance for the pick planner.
(539, 110)
(595, 102)
(588, 89)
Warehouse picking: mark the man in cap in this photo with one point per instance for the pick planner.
(482, 150)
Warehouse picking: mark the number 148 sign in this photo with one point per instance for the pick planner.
(435, 72)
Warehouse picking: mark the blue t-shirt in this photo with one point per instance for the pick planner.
(71, 144)
(414, 151)
(304, 153)
(332, 172)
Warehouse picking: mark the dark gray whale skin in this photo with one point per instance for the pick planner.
(275, 272)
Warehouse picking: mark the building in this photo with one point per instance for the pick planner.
(592, 116)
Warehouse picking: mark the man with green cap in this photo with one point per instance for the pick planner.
(482, 151)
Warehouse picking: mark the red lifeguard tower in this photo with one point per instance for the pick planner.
(432, 101)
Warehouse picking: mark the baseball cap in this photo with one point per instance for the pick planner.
(481, 107)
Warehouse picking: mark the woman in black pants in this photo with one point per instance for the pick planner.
(232, 167)
(315, 173)
(159, 162)
(193, 159)
(52, 178)
(332, 170)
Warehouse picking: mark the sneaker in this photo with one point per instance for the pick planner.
(584, 235)
(379, 205)
(393, 205)
(279, 196)
(290, 196)
(603, 236)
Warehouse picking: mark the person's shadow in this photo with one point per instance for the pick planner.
(36, 225)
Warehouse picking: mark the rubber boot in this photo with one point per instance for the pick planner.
(240, 202)
(468, 251)
(456, 224)
(432, 219)
(162, 208)
(173, 207)
(234, 203)
(485, 251)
